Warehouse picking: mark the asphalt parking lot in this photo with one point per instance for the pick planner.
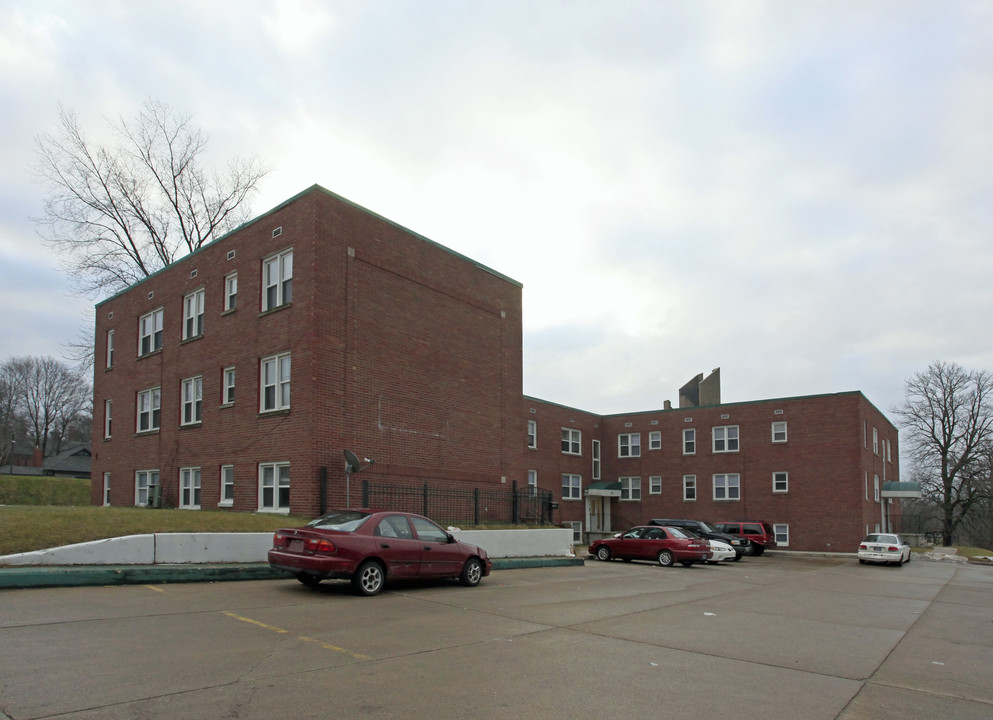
(769, 637)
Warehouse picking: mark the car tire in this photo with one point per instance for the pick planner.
(369, 578)
(757, 549)
(472, 572)
(603, 553)
(308, 579)
(665, 558)
(737, 557)
(861, 561)
(686, 563)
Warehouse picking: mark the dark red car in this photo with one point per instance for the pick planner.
(758, 532)
(369, 548)
(665, 545)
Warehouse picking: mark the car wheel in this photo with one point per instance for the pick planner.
(686, 563)
(603, 553)
(472, 572)
(737, 557)
(665, 558)
(757, 550)
(861, 561)
(369, 578)
(308, 579)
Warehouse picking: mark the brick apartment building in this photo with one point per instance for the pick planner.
(235, 377)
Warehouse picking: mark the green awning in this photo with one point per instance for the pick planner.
(604, 489)
(901, 490)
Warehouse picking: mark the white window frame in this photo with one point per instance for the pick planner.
(728, 485)
(144, 481)
(875, 486)
(277, 280)
(274, 385)
(108, 413)
(106, 489)
(226, 494)
(274, 478)
(532, 483)
(533, 434)
(655, 440)
(230, 292)
(577, 530)
(781, 531)
(572, 441)
(110, 349)
(150, 329)
(630, 489)
(193, 307)
(780, 481)
(595, 452)
(191, 410)
(189, 488)
(654, 484)
(779, 431)
(228, 379)
(689, 441)
(629, 445)
(689, 488)
(875, 441)
(149, 404)
(572, 486)
(725, 438)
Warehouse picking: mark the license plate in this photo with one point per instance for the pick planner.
(296, 545)
(876, 548)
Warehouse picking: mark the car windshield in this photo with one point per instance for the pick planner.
(344, 520)
(707, 527)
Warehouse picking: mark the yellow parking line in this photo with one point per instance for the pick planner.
(255, 622)
(303, 638)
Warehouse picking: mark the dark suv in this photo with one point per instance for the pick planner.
(704, 529)
(758, 532)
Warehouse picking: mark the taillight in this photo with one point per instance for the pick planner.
(863, 547)
(279, 540)
(893, 548)
(320, 546)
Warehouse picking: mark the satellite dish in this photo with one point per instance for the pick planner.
(352, 461)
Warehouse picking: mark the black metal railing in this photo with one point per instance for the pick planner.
(463, 506)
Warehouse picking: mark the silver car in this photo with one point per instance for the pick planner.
(884, 548)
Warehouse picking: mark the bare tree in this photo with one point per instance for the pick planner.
(118, 213)
(49, 395)
(948, 419)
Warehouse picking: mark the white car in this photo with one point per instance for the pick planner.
(720, 551)
(885, 548)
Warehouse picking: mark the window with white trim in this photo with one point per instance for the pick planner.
(150, 332)
(277, 280)
(782, 534)
(689, 441)
(780, 482)
(227, 486)
(193, 314)
(106, 489)
(727, 486)
(875, 485)
(577, 530)
(875, 441)
(655, 440)
(532, 483)
(110, 349)
(532, 434)
(189, 488)
(274, 487)
(572, 441)
(725, 438)
(149, 410)
(230, 292)
(689, 488)
(144, 481)
(629, 445)
(275, 385)
(227, 386)
(192, 394)
(572, 486)
(779, 431)
(655, 485)
(107, 413)
(630, 488)
(595, 452)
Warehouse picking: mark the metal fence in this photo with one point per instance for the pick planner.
(463, 506)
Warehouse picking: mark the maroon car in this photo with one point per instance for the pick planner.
(369, 548)
(665, 545)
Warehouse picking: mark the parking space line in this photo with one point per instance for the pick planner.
(302, 638)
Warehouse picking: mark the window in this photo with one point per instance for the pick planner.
(193, 315)
(532, 434)
(875, 441)
(275, 385)
(149, 402)
(780, 482)
(230, 292)
(192, 401)
(532, 483)
(189, 488)
(725, 438)
(689, 487)
(782, 533)
(107, 406)
(779, 432)
(274, 487)
(629, 445)
(144, 483)
(595, 451)
(110, 349)
(689, 441)
(571, 487)
(277, 280)
(875, 485)
(106, 489)
(655, 440)
(577, 530)
(150, 332)
(227, 486)
(655, 485)
(227, 386)
(572, 441)
(727, 486)
(630, 488)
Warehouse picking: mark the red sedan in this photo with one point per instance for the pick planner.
(370, 547)
(665, 545)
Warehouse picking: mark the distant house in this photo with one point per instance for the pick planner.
(73, 461)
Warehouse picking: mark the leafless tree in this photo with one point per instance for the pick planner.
(48, 395)
(118, 213)
(947, 416)
(8, 414)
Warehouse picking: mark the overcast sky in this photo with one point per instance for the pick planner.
(799, 193)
